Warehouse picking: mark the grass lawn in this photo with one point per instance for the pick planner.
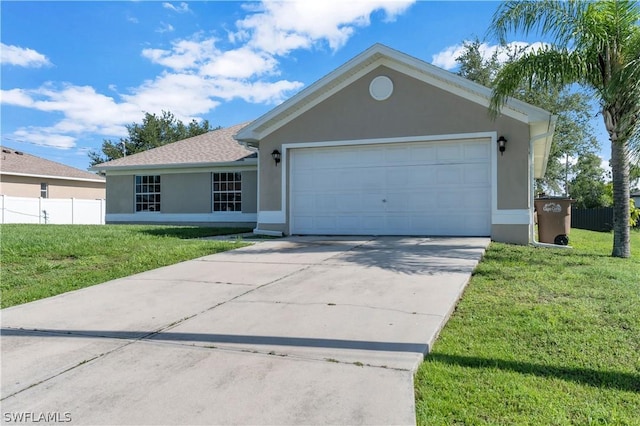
(44, 260)
(541, 337)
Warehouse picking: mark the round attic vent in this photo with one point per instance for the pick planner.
(381, 88)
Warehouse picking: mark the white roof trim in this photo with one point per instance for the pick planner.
(52, 177)
(541, 134)
(371, 58)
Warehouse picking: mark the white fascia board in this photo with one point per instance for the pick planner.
(52, 177)
(250, 164)
(541, 134)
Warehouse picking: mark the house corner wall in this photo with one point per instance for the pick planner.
(510, 234)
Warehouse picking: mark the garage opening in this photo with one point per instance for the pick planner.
(418, 188)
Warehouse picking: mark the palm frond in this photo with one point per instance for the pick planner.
(561, 20)
(545, 68)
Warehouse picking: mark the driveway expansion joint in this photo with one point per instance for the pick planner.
(338, 305)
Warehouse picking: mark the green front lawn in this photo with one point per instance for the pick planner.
(540, 337)
(44, 260)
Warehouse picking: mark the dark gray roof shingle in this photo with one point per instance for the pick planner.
(217, 146)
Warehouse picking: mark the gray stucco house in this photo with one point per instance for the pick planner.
(384, 145)
(207, 179)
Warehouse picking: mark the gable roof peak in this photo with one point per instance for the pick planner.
(376, 55)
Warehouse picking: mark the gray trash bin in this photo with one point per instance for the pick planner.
(554, 220)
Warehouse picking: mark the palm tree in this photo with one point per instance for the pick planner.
(595, 44)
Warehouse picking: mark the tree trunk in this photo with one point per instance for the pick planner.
(620, 175)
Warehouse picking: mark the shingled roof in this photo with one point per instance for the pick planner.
(217, 146)
(18, 163)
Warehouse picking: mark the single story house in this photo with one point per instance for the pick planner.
(208, 179)
(384, 145)
(29, 176)
(390, 145)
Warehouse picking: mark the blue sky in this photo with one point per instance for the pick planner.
(75, 73)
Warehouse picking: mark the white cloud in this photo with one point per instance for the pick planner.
(604, 163)
(184, 54)
(84, 110)
(257, 92)
(279, 27)
(164, 28)
(240, 63)
(43, 137)
(185, 95)
(22, 57)
(446, 58)
(182, 8)
(17, 97)
(198, 74)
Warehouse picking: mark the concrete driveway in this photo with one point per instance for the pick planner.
(302, 330)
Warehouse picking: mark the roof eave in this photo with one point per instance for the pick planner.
(43, 176)
(241, 162)
(542, 138)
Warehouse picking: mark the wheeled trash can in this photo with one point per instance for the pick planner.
(554, 220)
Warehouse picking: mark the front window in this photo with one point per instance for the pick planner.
(147, 193)
(227, 192)
(44, 190)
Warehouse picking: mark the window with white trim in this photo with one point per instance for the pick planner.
(227, 192)
(44, 190)
(148, 193)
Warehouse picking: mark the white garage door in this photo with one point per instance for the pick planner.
(422, 188)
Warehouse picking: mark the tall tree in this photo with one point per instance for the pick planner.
(588, 186)
(574, 133)
(154, 131)
(596, 45)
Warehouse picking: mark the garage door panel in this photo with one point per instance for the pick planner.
(448, 200)
(424, 154)
(424, 188)
(476, 175)
(399, 177)
(474, 152)
(475, 200)
(451, 175)
(372, 203)
(397, 202)
(305, 203)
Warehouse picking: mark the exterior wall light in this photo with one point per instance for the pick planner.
(276, 156)
(502, 144)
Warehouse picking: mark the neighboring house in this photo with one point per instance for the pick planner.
(25, 175)
(390, 145)
(636, 197)
(207, 179)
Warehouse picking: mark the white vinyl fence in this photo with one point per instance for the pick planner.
(58, 211)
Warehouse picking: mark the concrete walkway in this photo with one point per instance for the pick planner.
(303, 330)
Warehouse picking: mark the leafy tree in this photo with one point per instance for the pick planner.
(473, 65)
(588, 187)
(154, 131)
(596, 45)
(574, 133)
